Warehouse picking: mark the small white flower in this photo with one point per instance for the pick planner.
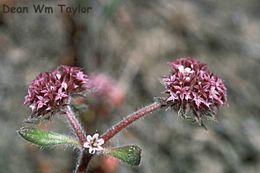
(181, 68)
(33, 107)
(58, 76)
(187, 78)
(94, 143)
(185, 70)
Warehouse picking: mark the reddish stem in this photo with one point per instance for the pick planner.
(84, 157)
(83, 162)
(75, 125)
(129, 119)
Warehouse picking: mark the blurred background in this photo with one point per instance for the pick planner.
(128, 44)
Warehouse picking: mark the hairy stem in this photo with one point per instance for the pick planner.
(130, 119)
(75, 125)
(83, 162)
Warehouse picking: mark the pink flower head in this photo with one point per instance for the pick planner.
(50, 91)
(102, 84)
(192, 86)
(106, 89)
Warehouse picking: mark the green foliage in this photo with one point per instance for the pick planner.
(44, 138)
(130, 154)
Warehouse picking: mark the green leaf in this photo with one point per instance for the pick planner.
(44, 138)
(130, 154)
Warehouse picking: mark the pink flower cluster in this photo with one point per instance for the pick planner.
(106, 89)
(192, 86)
(50, 91)
(102, 84)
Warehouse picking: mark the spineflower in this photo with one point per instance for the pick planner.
(94, 143)
(191, 86)
(50, 91)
